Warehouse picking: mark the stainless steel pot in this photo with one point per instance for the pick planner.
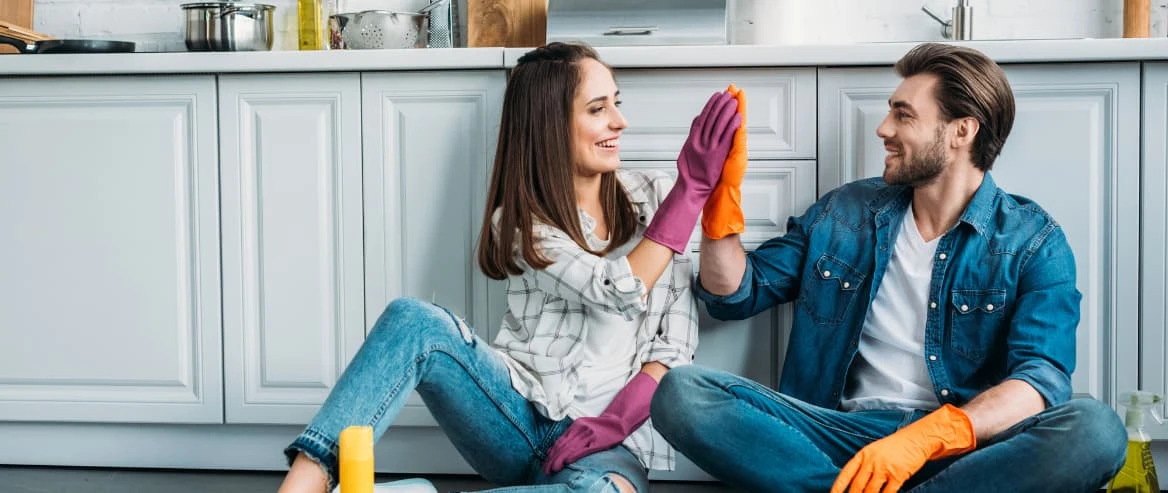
(228, 26)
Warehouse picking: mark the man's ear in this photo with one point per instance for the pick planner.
(965, 131)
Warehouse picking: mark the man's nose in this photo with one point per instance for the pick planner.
(884, 130)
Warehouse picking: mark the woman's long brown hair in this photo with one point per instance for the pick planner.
(533, 171)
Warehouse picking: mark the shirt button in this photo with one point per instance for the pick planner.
(990, 307)
(964, 308)
(942, 256)
(932, 304)
(932, 357)
(642, 218)
(944, 391)
(847, 285)
(607, 282)
(827, 273)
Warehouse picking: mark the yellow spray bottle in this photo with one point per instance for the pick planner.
(1138, 474)
(356, 459)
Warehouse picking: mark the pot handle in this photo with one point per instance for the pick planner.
(20, 45)
(250, 13)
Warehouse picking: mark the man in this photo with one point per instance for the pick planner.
(934, 322)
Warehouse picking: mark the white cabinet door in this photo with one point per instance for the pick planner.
(429, 144)
(1154, 240)
(293, 290)
(661, 104)
(1073, 149)
(110, 237)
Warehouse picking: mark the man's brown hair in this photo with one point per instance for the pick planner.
(971, 85)
(533, 176)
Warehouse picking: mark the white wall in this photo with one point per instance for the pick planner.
(844, 21)
(157, 24)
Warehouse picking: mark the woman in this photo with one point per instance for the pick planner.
(598, 300)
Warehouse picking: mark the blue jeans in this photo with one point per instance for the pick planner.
(753, 437)
(467, 388)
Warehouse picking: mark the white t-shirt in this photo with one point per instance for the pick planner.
(889, 371)
(609, 349)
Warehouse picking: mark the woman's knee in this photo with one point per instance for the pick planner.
(411, 318)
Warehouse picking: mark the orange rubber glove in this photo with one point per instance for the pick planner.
(722, 214)
(884, 465)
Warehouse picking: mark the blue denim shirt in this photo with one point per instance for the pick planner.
(1002, 300)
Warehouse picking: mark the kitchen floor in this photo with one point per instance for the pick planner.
(85, 480)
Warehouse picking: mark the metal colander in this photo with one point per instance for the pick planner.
(377, 29)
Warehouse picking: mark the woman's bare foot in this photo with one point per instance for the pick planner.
(305, 476)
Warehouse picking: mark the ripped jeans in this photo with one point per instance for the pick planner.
(466, 386)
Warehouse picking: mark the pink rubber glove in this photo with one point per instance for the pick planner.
(627, 412)
(698, 167)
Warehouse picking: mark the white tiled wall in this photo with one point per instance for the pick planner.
(157, 24)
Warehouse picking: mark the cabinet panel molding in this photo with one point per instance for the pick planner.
(112, 309)
(1153, 350)
(661, 104)
(293, 289)
(429, 145)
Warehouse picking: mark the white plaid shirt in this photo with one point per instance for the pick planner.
(549, 313)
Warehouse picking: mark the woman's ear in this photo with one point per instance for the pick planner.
(966, 131)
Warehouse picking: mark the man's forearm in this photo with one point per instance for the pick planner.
(1001, 407)
(722, 265)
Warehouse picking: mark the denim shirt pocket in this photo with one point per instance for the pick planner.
(829, 294)
(976, 315)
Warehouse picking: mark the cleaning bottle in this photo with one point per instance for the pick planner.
(1138, 474)
(356, 459)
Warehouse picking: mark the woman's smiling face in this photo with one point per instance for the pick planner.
(597, 122)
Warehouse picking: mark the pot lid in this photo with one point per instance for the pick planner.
(234, 5)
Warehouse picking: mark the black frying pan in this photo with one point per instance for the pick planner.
(69, 45)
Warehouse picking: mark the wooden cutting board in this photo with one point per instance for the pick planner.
(18, 12)
(510, 23)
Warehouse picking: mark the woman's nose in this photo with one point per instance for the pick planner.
(618, 120)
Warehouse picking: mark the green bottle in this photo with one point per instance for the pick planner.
(1138, 474)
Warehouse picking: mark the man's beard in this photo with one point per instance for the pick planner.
(923, 168)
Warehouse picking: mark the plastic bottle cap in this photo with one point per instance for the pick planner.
(356, 442)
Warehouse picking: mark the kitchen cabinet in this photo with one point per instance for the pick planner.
(429, 143)
(1153, 349)
(293, 270)
(110, 227)
(1074, 149)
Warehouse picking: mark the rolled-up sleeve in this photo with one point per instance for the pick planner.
(1041, 342)
(677, 339)
(580, 276)
(772, 274)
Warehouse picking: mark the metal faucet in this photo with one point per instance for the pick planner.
(960, 27)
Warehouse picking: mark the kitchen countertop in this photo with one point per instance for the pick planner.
(1004, 51)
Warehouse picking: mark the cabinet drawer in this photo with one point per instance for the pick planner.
(772, 192)
(661, 104)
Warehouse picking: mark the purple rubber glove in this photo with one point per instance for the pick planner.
(627, 412)
(698, 167)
